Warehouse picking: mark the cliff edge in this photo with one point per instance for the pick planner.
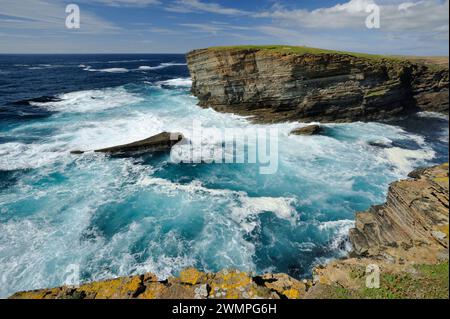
(279, 83)
(406, 239)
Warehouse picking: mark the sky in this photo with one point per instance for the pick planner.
(407, 27)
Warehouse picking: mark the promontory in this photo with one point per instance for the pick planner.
(283, 83)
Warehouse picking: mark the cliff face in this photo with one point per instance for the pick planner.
(415, 214)
(275, 86)
(406, 239)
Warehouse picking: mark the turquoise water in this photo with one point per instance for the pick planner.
(123, 216)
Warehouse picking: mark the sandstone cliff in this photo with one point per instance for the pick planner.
(415, 214)
(290, 83)
(407, 238)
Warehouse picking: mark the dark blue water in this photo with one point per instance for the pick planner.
(118, 216)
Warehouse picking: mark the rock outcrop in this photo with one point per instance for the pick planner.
(275, 85)
(406, 239)
(162, 142)
(307, 130)
(415, 214)
(191, 284)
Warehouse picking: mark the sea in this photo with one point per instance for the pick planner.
(94, 217)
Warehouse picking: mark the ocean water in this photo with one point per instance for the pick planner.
(107, 217)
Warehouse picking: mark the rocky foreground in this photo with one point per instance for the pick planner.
(407, 238)
(277, 84)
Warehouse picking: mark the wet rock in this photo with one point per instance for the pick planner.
(162, 142)
(380, 144)
(307, 130)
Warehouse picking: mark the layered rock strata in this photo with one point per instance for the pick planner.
(416, 213)
(277, 86)
(162, 142)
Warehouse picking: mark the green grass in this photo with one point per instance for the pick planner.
(300, 50)
(429, 282)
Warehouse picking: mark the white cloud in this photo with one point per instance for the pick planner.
(127, 3)
(406, 5)
(202, 27)
(215, 28)
(419, 16)
(48, 15)
(187, 6)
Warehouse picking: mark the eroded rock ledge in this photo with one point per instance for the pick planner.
(407, 238)
(191, 284)
(276, 85)
(415, 214)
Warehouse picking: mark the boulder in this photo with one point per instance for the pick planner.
(307, 130)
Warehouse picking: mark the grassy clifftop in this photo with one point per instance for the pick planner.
(439, 61)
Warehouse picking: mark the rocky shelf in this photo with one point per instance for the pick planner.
(407, 238)
(279, 83)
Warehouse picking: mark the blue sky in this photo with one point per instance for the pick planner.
(413, 27)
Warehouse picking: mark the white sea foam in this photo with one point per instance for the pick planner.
(110, 70)
(180, 82)
(146, 67)
(121, 61)
(405, 160)
(106, 70)
(243, 208)
(338, 232)
(91, 100)
(47, 66)
(432, 115)
(125, 70)
(160, 66)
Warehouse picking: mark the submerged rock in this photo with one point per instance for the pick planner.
(77, 152)
(42, 99)
(307, 130)
(162, 142)
(380, 144)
